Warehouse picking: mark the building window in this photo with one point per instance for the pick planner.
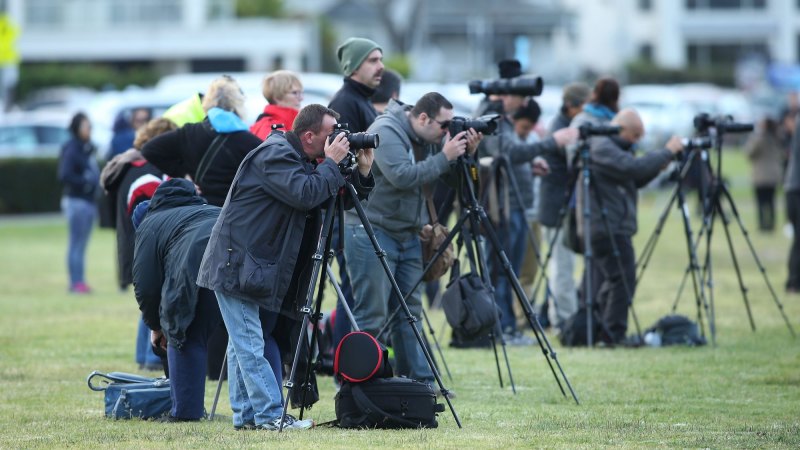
(43, 12)
(126, 12)
(713, 55)
(726, 4)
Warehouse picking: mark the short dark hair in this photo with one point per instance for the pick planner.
(430, 104)
(606, 93)
(390, 83)
(310, 118)
(531, 111)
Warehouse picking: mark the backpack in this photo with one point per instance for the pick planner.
(573, 331)
(677, 330)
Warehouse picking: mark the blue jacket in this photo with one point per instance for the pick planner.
(78, 170)
(265, 234)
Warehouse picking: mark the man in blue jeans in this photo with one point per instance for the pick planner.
(411, 155)
(258, 259)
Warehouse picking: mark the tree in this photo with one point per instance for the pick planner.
(259, 8)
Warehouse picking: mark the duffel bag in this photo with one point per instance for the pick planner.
(128, 395)
(396, 402)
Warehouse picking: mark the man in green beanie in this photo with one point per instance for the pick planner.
(361, 61)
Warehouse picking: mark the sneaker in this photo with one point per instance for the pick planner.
(518, 339)
(451, 394)
(80, 288)
(290, 423)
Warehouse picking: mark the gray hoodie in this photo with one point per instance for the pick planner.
(397, 204)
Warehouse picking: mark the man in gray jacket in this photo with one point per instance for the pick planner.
(407, 159)
(615, 177)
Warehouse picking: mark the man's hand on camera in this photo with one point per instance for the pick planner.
(158, 339)
(337, 150)
(540, 167)
(455, 146)
(473, 139)
(365, 158)
(566, 136)
(675, 145)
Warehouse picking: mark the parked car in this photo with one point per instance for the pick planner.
(33, 134)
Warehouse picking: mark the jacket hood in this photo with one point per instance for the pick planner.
(175, 192)
(225, 121)
(398, 110)
(115, 170)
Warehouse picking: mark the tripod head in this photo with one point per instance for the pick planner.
(717, 127)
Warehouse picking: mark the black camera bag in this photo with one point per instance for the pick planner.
(387, 403)
(469, 305)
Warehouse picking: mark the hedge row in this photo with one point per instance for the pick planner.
(29, 185)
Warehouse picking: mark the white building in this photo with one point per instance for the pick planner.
(175, 35)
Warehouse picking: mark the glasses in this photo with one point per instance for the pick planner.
(444, 124)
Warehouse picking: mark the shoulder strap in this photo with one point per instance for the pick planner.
(209, 156)
(374, 412)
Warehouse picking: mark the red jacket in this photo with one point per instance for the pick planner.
(273, 114)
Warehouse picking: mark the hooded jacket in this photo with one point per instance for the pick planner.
(178, 153)
(78, 170)
(263, 239)
(397, 204)
(170, 243)
(273, 114)
(616, 175)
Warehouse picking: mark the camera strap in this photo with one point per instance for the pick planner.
(210, 155)
(426, 189)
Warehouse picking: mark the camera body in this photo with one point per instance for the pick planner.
(700, 142)
(357, 140)
(484, 124)
(525, 86)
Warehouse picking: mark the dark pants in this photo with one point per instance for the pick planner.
(765, 202)
(612, 297)
(793, 214)
(188, 364)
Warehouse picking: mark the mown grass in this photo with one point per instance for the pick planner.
(745, 392)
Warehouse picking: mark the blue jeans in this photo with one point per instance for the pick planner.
(374, 299)
(80, 218)
(188, 364)
(514, 244)
(144, 350)
(253, 386)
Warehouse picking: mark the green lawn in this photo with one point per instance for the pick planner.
(743, 393)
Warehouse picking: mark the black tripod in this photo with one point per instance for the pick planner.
(321, 257)
(717, 191)
(696, 148)
(476, 215)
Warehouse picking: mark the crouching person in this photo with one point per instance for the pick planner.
(258, 260)
(171, 235)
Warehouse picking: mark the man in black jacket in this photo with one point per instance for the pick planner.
(615, 177)
(258, 260)
(361, 61)
(170, 242)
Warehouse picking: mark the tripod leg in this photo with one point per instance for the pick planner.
(544, 344)
(757, 259)
(735, 260)
(340, 295)
(323, 241)
(709, 278)
(399, 294)
(436, 343)
(219, 386)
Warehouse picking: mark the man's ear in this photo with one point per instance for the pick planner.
(423, 118)
(308, 136)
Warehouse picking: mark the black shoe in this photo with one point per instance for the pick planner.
(173, 419)
(245, 426)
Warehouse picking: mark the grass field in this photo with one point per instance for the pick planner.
(745, 392)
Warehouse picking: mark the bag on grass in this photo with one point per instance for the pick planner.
(677, 330)
(360, 357)
(129, 396)
(468, 305)
(387, 403)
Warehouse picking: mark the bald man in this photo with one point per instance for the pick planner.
(616, 175)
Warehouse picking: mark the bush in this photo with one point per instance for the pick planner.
(642, 72)
(29, 185)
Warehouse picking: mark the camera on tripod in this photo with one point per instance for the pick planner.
(484, 124)
(357, 141)
(587, 130)
(524, 86)
(699, 143)
(723, 124)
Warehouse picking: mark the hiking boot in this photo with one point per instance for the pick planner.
(290, 423)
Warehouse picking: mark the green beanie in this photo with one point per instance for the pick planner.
(353, 52)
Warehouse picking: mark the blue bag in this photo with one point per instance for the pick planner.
(128, 395)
